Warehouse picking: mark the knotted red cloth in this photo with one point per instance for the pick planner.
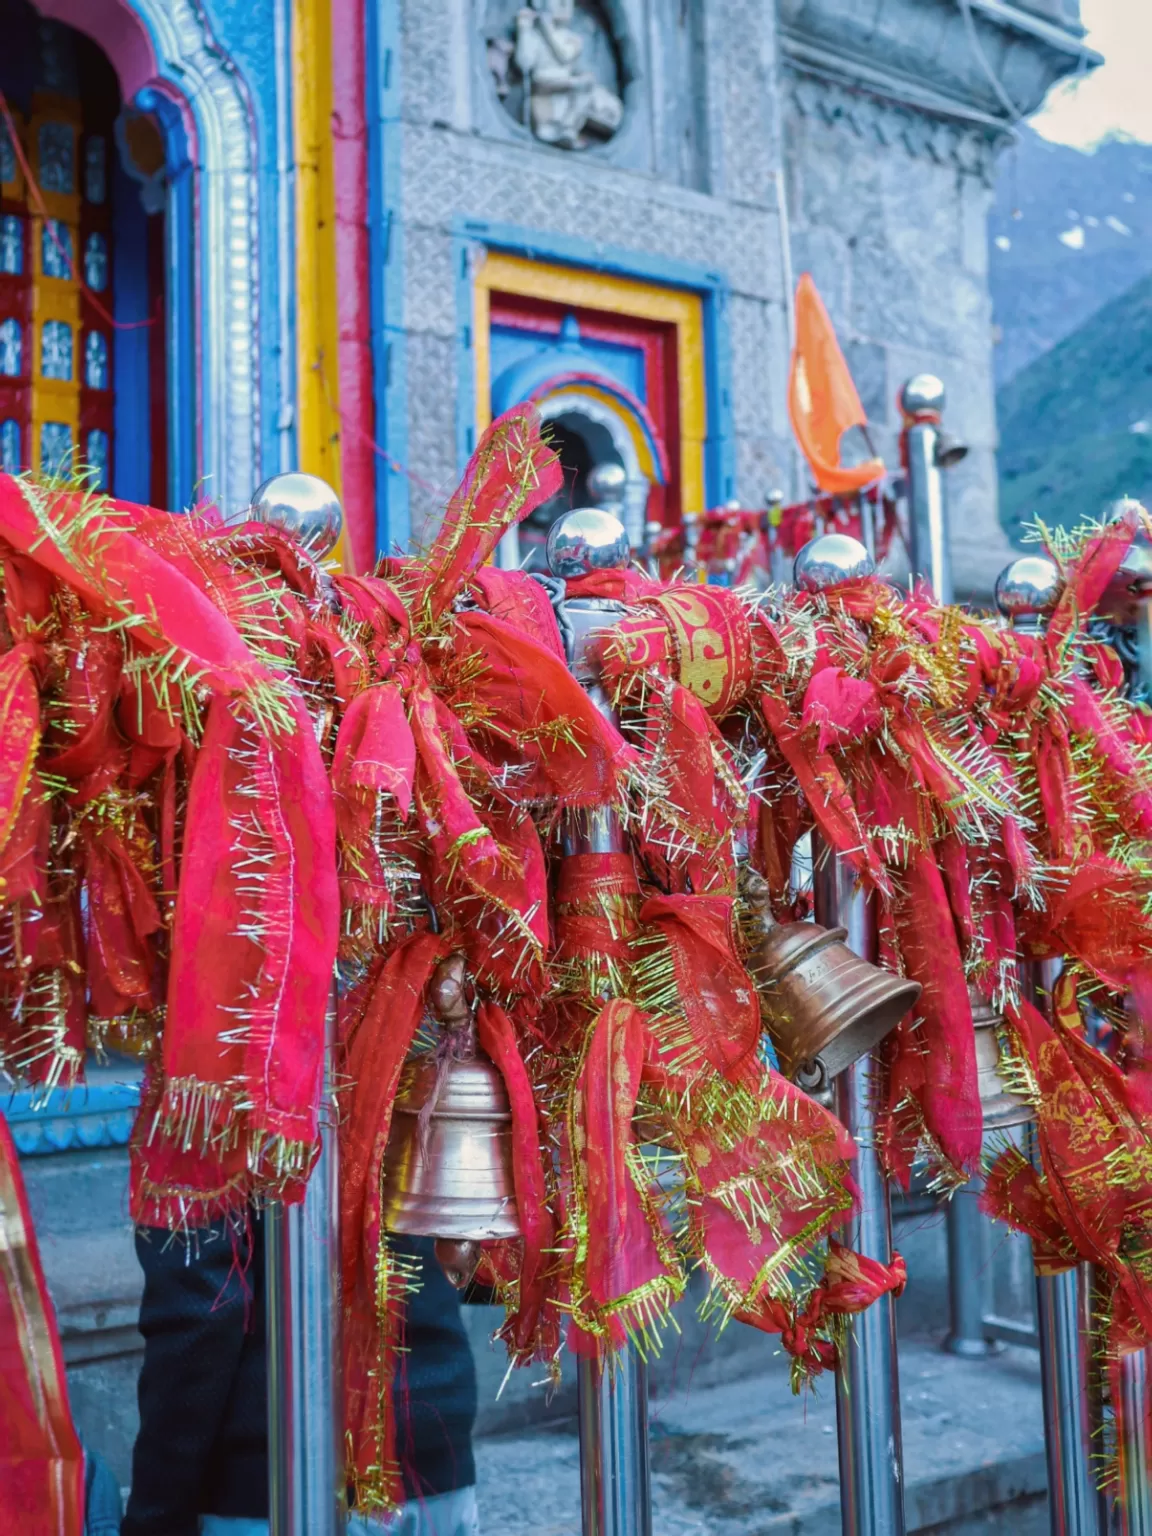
(234, 1108)
(852, 1283)
(379, 1024)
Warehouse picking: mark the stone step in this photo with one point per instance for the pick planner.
(746, 1458)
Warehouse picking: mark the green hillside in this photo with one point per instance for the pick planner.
(1076, 424)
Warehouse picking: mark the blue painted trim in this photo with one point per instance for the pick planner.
(77, 1119)
(180, 301)
(279, 185)
(573, 251)
(720, 446)
(251, 36)
(386, 264)
(132, 435)
(465, 356)
(570, 250)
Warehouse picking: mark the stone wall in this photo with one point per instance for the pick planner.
(886, 137)
(889, 215)
(461, 161)
(895, 115)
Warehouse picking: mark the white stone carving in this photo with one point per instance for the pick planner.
(566, 104)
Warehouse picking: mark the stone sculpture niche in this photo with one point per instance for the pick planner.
(556, 68)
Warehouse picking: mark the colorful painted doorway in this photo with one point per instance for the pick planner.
(82, 332)
(616, 368)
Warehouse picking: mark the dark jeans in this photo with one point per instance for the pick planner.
(203, 1441)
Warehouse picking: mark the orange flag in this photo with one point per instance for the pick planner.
(822, 399)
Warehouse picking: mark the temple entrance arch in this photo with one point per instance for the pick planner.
(611, 449)
(173, 70)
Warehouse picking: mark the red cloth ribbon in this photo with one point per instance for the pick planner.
(41, 1461)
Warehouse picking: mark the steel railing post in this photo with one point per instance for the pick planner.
(305, 1401)
(615, 1479)
(867, 1386)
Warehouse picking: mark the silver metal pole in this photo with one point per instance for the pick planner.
(615, 1478)
(307, 1495)
(967, 1274)
(867, 1385)
(1063, 1319)
(1064, 1322)
(922, 401)
(1026, 592)
(1134, 1437)
(305, 1402)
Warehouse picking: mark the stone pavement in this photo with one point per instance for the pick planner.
(746, 1458)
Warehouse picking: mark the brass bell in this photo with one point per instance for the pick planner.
(448, 1162)
(999, 1108)
(448, 1172)
(824, 1006)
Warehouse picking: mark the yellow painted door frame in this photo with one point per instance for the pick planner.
(317, 317)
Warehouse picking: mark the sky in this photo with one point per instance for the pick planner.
(1116, 98)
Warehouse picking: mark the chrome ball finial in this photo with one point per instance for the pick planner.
(830, 559)
(587, 539)
(1028, 590)
(607, 484)
(304, 506)
(923, 395)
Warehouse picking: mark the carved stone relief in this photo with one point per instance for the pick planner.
(557, 69)
(972, 149)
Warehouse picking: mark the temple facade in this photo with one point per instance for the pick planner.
(343, 233)
(239, 236)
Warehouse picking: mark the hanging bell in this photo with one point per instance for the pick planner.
(999, 1108)
(824, 1006)
(448, 1170)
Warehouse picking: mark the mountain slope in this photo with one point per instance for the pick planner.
(1076, 424)
(1068, 231)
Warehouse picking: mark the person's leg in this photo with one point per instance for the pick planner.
(193, 1317)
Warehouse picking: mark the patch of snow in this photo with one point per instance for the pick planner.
(1074, 238)
(1003, 243)
(1141, 428)
(1117, 224)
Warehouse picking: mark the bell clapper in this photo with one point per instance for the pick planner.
(811, 1076)
(458, 1257)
